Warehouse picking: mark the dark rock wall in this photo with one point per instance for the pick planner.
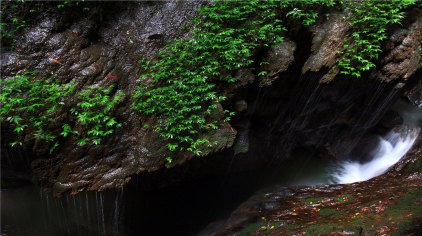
(299, 104)
(108, 40)
(332, 117)
(286, 110)
(415, 94)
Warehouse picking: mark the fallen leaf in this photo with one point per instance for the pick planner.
(410, 215)
(55, 61)
(112, 76)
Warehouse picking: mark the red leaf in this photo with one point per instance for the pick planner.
(55, 61)
(112, 77)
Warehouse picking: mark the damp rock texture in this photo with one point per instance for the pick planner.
(388, 204)
(278, 59)
(328, 39)
(288, 105)
(415, 95)
(404, 48)
(101, 47)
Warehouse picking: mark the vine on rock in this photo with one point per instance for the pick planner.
(41, 110)
(224, 38)
(31, 106)
(180, 86)
(369, 20)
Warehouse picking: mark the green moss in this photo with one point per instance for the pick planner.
(345, 198)
(406, 206)
(327, 229)
(314, 200)
(414, 167)
(252, 228)
(327, 212)
(358, 220)
(321, 229)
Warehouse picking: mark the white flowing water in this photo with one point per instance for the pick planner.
(390, 150)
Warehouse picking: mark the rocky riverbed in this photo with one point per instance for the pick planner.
(390, 204)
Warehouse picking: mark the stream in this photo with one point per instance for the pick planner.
(389, 151)
(187, 208)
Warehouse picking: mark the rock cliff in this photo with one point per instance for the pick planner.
(288, 109)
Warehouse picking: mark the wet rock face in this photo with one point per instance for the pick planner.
(278, 60)
(380, 205)
(286, 109)
(108, 40)
(248, 212)
(404, 48)
(297, 110)
(15, 168)
(415, 95)
(328, 38)
(390, 121)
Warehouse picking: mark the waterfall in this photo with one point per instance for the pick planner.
(390, 150)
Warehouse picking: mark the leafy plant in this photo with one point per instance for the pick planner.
(307, 11)
(9, 28)
(68, 3)
(30, 106)
(17, 15)
(180, 87)
(93, 112)
(368, 20)
(184, 76)
(33, 109)
(63, 4)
